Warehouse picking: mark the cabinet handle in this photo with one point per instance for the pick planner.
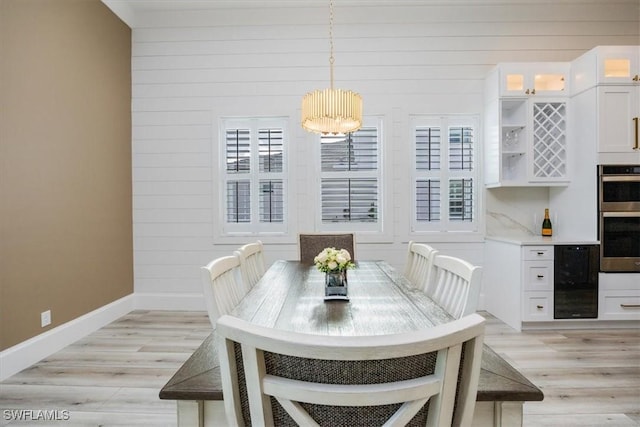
(635, 78)
(635, 121)
(526, 92)
(539, 307)
(533, 92)
(540, 276)
(540, 253)
(630, 305)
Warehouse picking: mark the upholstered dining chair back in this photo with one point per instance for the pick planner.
(455, 285)
(311, 245)
(291, 378)
(252, 265)
(221, 285)
(419, 264)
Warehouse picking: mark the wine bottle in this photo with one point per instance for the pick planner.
(546, 224)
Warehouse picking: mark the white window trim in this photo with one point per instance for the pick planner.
(230, 231)
(444, 229)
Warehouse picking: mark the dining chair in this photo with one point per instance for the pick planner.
(252, 265)
(419, 262)
(455, 285)
(277, 377)
(222, 289)
(311, 245)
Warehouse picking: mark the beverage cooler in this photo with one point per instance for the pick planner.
(576, 281)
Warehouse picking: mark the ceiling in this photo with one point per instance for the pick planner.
(130, 10)
(147, 5)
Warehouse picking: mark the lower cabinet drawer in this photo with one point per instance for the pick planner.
(538, 275)
(619, 305)
(538, 253)
(537, 306)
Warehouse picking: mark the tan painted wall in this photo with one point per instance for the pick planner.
(65, 162)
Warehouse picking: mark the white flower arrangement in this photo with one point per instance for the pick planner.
(332, 259)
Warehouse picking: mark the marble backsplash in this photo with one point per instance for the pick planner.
(516, 211)
(499, 224)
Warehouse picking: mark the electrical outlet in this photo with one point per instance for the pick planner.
(45, 318)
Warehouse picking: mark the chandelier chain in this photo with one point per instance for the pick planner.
(331, 59)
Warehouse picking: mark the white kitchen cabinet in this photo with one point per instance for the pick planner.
(611, 76)
(618, 116)
(618, 64)
(605, 65)
(518, 286)
(518, 282)
(526, 142)
(548, 141)
(619, 296)
(616, 305)
(537, 283)
(533, 79)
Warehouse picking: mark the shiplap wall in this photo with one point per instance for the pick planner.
(191, 67)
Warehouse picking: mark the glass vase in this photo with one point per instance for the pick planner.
(335, 285)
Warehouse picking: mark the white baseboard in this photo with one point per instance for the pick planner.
(21, 356)
(581, 324)
(481, 306)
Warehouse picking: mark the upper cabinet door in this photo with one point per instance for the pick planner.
(618, 121)
(531, 79)
(618, 64)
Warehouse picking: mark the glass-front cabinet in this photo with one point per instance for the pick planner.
(618, 64)
(606, 66)
(539, 78)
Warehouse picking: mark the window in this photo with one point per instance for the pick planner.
(254, 175)
(445, 173)
(350, 190)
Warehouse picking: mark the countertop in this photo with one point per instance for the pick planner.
(503, 228)
(531, 240)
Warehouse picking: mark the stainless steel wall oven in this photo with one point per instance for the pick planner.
(619, 217)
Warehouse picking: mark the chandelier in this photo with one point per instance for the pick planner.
(331, 111)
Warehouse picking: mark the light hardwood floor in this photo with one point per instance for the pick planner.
(113, 376)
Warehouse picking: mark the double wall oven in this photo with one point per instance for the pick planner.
(619, 217)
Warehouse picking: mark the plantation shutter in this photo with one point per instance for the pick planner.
(254, 175)
(428, 147)
(238, 162)
(445, 173)
(270, 155)
(349, 185)
(461, 160)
